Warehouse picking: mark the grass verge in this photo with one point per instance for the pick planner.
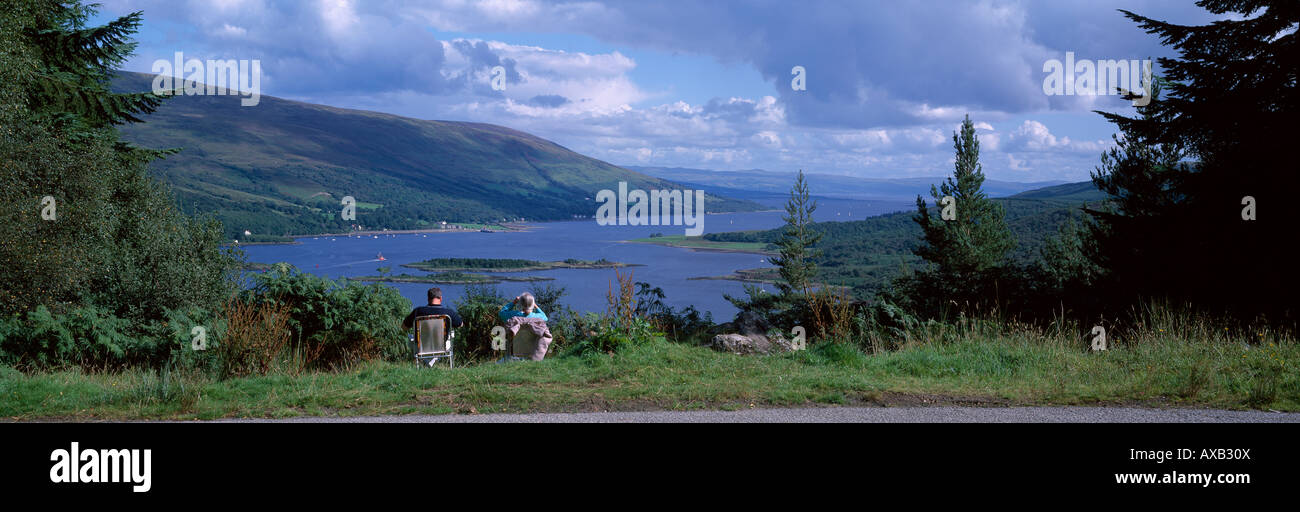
(998, 371)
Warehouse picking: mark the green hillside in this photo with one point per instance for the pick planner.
(282, 167)
(865, 254)
(1082, 191)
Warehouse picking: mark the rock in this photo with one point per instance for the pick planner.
(746, 345)
(750, 323)
(781, 344)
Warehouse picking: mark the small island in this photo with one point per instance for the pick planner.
(508, 265)
(450, 277)
(697, 243)
(749, 275)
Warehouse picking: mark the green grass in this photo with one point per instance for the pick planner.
(970, 370)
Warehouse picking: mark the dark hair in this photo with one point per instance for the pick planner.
(435, 293)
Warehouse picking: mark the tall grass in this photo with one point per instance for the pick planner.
(256, 340)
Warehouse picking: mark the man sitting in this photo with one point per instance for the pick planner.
(435, 307)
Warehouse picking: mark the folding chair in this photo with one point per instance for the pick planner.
(433, 340)
(521, 346)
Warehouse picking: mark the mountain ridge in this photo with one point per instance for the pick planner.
(765, 182)
(281, 167)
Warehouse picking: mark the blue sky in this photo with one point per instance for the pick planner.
(702, 84)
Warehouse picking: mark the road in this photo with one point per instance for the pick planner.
(845, 415)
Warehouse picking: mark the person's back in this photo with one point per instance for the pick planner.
(434, 307)
(524, 305)
(523, 317)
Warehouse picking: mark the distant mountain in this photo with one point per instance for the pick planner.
(754, 183)
(282, 167)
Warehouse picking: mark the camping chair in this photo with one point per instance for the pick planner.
(433, 340)
(521, 346)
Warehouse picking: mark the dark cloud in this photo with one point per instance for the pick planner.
(870, 63)
(304, 48)
(482, 58)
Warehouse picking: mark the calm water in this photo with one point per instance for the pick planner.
(664, 267)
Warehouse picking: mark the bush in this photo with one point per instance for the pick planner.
(93, 338)
(334, 323)
(608, 335)
(254, 339)
(478, 308)
(685, 326)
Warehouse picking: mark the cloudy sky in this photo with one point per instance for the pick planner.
(703, 84)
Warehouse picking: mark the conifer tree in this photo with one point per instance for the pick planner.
(977, 239)
(796, 255)
(113, 236)
(1210, 226)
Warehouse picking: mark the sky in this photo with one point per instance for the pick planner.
(701, 84)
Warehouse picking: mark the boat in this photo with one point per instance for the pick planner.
(381, 257)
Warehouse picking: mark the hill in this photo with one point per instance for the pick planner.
(1082, 191)
(865, 254)
(282, 167)
(760, 182)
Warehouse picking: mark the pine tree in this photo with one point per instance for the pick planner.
(77, 63)
(117, 240)
(977, 239)
(1065, 259)
(796, 256)
(1177, 230)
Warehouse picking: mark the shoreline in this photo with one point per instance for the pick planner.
(524, 269)
(424, 280)
(246, 244)
(510, 228)
(700, 249)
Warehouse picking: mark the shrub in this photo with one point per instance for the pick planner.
(478, 308)
(93, 338)
(608, 335)
(336, 323)
(687, 325)
(254, 339)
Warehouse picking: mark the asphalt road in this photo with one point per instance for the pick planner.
(845, 415)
